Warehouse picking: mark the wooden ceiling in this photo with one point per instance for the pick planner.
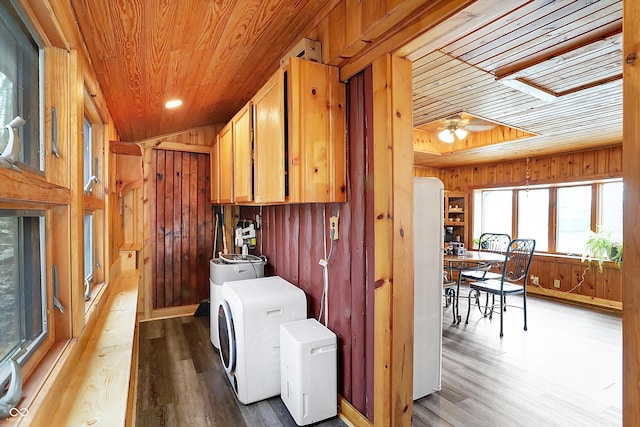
(568, 52)
(215, 55)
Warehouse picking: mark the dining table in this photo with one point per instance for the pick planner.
(468, 260)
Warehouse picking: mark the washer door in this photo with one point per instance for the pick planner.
(227, 336)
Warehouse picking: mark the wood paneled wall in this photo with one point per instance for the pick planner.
(293, 239)
(183, 228)
(603, 289)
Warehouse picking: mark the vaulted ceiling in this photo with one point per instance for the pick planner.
(552, 69)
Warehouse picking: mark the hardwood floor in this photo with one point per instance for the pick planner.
(181, 382)
(566, 370)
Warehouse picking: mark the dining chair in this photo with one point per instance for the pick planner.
(488, 242)
(513, 280)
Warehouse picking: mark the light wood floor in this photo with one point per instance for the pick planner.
(566, 370)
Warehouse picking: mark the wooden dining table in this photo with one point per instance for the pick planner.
(470, 260)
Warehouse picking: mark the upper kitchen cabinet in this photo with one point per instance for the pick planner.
(225, 163)
(215, 170)
(242, 155)
(299, 136)
(269, 136)
(316, 145)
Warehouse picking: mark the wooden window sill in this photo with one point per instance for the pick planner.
(91, 385)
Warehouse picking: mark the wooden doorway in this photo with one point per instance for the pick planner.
(182, 221)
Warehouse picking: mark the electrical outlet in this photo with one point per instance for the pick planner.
(535, 280)
(333, 227)
(556, 283)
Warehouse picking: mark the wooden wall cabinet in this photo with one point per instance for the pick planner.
(288, 144)
(455, 216)
(242, 155)
(269, 142)
(316, 146)
(225, 163)
(215, 170)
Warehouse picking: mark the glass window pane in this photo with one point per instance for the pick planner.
(611, 209)
(87, 150)
(533, 217)
(496, 211)
(573, 218)
(9, 286)
(20, 86)
(88, 245)
(22, 296)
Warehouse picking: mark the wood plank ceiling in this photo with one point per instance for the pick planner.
(570, 52)
(214, 55)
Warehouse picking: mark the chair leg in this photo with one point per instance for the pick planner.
(524, 306)
(501, 313)
(477, 296)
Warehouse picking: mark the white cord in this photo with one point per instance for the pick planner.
(324, 299)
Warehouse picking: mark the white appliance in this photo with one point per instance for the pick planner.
(226, 269)
(250, 315)
(308, 371)
(428, 223)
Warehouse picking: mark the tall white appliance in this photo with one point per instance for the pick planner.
(428, 223)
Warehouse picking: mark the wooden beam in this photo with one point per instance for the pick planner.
(37, 190)
(474, 16)
(393, 236)
(128, 148)
(631, 221)
(178, 146)
(576, 46)
(399, 27)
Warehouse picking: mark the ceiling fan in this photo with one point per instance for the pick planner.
(458, 127)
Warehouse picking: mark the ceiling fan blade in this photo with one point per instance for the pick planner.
(479, 128)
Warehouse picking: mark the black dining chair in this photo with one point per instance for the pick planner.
(513, 280)
(488, 242)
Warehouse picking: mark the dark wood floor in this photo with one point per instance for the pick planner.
(566, 370)
(181, 382)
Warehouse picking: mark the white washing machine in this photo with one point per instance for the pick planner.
(227, 268)
(250, 314)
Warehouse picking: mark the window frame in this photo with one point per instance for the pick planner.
(596, 186)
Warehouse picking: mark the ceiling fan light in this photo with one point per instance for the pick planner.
(446, 136)
(461, 133)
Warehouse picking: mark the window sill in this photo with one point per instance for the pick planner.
(88, 379)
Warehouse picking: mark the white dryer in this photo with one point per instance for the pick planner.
(249, 318)
(227, 268)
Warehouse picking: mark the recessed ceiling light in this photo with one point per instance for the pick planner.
(174, 103)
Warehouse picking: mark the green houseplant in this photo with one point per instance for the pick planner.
(601, 246)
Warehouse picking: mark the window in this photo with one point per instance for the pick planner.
(533, 216)
(574, 218)
(577, 210)
(611, 209)
(497, 211)
(20, 87)
(22, 283)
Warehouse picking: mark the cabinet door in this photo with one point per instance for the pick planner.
(316, 131)
(215, 171)
(242, 142)
(226, 164)
(269, 142)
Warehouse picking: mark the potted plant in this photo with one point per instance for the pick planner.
(601, 246)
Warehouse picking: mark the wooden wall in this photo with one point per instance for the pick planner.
(183, 228)
(196, 141)
(603, 289)
(293, 240)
